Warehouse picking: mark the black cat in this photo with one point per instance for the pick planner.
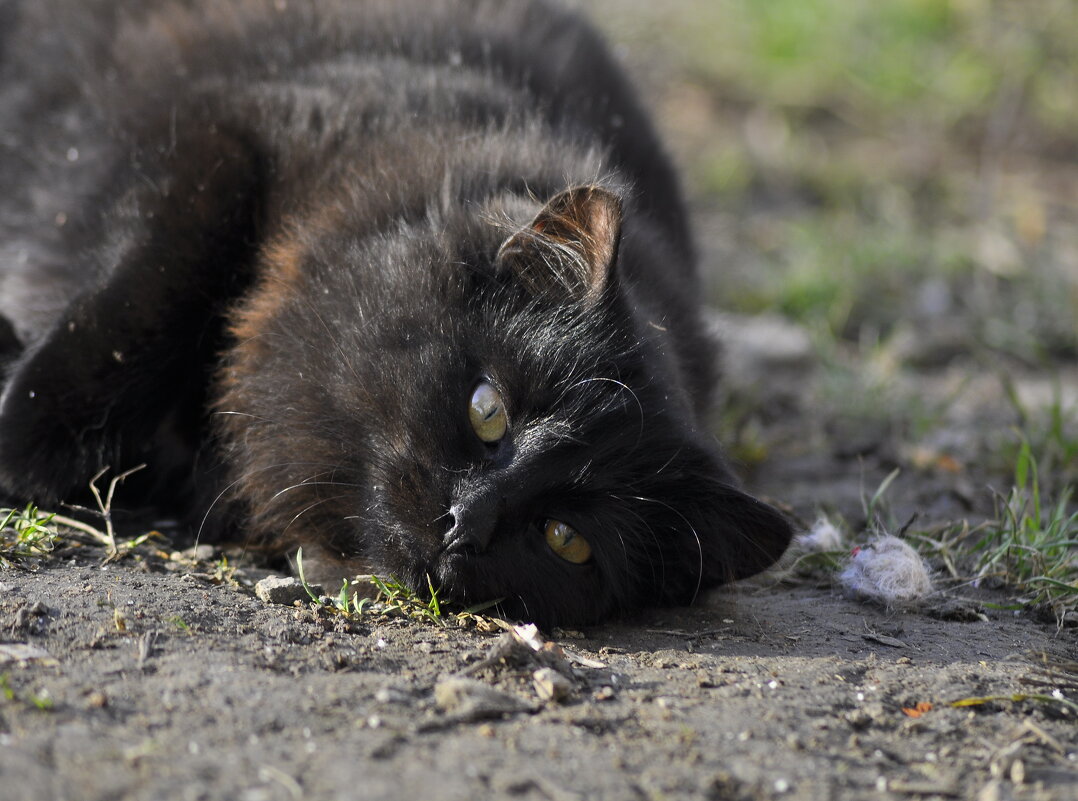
(406, 279)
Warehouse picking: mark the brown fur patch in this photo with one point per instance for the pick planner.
(281, 269)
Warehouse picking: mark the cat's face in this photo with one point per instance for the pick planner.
(494, 419)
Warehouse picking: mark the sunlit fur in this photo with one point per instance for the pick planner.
(295, 239)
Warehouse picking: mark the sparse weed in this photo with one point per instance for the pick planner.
(224, 572)
(25, 534)
(181, 624)
(40, 701)
(872, 505)
(114, 549)
(393, 599)
(30, 532)
(816, 562)
(1033, 544)
(1050, 432)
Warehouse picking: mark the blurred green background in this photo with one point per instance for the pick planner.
(900, 179)
(885, 161)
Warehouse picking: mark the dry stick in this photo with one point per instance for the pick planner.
(78, 525)
(104, 510)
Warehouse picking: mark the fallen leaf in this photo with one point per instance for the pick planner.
(918, 709)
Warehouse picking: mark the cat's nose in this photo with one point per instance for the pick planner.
(471, 528)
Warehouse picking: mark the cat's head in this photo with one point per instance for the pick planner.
(502, 415)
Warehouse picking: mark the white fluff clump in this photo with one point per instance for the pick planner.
(888, 572)
(823, 536)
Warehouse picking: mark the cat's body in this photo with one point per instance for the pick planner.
(283, 251)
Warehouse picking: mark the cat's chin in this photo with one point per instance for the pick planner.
(460, 578)
(485, 581)
(475, 581)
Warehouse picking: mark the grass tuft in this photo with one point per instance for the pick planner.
(41, 702)
(393, 599)
(1033, 545)
(25, 533)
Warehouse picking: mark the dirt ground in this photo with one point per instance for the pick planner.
(161, 683)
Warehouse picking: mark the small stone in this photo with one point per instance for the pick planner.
(200, 553)
(283, 590)
(392, 695)
(550, 685)
(604, 693)
(472, 700)
(994, 791)
(97, 700)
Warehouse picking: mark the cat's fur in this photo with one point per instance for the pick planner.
(269, 247)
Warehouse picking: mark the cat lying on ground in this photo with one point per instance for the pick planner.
(409, 280)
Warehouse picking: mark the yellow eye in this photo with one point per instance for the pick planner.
(566, 543)
(486, 411)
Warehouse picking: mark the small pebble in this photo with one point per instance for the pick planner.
(472, 700)
(550, 685)
(283, 590)
(605, 693)
(392, 695)
(994, 791)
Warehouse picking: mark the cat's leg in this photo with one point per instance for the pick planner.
(121, 377)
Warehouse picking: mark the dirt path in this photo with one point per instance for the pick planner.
(162, 684)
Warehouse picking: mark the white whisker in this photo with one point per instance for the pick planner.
(699, 544)
(243, 478)
(623, 385)
(307, 483)
(309, 508)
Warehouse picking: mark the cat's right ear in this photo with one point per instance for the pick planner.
(570, 247)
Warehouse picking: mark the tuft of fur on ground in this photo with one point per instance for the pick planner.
(823, 536)
(887, 571)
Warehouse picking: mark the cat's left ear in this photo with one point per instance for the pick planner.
(570, 247)
(719, 533)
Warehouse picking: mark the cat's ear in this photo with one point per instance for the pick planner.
(571, 245)
(717, 533)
